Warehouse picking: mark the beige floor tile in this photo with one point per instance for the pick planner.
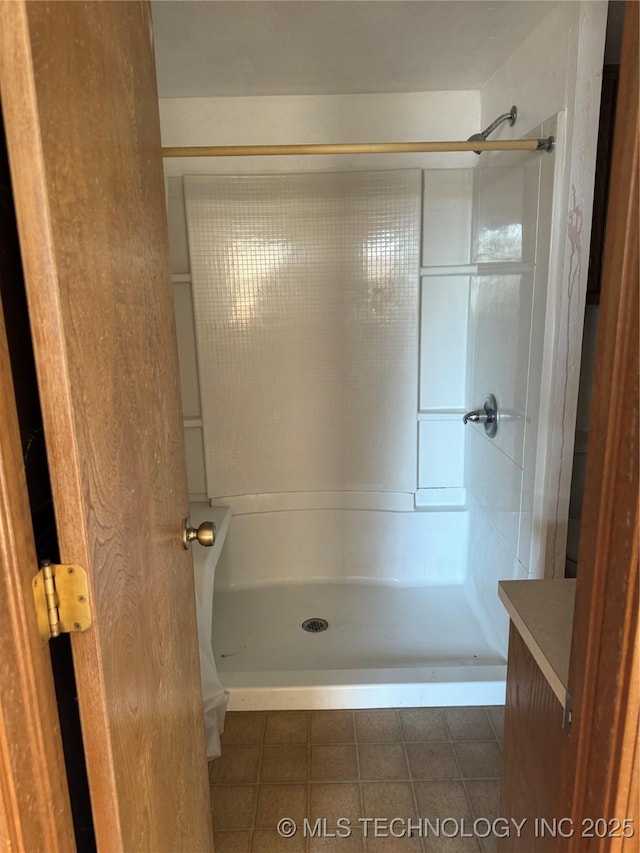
(279, 801)
(236, 764)
(285, 763)
(479, 759)
(484, 796)
(496, 715)
(332, 727)
(391, 845)
(383, 761)
(431, 760)
(287, 727)
(269, 841)
(442, 799)
(232, 842)
(352, 844)
(468, 724)
(388, 800)
(334, 763)
(243, 728)
(450, 845)
(489, 845)
(378, 726)
(333, 800)
(233, 806)
(423, 724)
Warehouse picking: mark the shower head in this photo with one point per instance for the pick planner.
(511, 117)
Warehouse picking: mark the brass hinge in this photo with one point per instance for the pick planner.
(61, 597)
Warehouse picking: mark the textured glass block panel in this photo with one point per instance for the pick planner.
(306, 303)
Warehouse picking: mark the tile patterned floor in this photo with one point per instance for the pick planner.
(407, 763)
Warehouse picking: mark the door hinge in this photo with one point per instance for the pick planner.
(61, 597)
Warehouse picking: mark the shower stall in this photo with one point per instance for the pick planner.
(337, 317)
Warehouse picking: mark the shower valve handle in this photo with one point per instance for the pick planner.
(205, 534)
(487, 416)
(479, 416)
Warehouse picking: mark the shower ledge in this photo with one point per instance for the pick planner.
(399, 687)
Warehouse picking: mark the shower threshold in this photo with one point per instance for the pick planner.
(384, 646)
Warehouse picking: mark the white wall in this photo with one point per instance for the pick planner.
(271, 539)
(444, 301)
(273, 120)
(514, 198)
(557, 69)
(518, 486)
(447, 217)
(306, 298)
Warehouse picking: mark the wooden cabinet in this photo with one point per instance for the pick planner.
(541, 615)
(533, 743)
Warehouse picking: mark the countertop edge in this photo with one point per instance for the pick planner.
(532, 643)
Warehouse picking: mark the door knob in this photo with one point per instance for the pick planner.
(205, 534)
(488, 416)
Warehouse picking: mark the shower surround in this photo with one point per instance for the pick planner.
(336, 316)
(406, 578)
(305, 293)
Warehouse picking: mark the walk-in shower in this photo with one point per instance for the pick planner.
(345, 321)
(351, 279)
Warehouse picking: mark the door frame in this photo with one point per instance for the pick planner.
(600, 767)
(602, 682)
(35, 810)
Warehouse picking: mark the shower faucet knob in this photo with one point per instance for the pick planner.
(477, 417)
(205, 534)
(487, 416)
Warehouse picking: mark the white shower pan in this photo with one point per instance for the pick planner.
(385, 645)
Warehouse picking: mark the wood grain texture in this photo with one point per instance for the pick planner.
(603, 677)
(533, 744)
(81, 114)
(14, 303)
(630, 845)
(35, 813)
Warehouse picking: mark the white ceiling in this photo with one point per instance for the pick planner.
(270, 47)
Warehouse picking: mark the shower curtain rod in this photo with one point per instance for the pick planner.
(360, 148)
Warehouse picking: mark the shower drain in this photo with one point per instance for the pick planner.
(315, 625)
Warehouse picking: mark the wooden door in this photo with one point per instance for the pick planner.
(79, 100)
